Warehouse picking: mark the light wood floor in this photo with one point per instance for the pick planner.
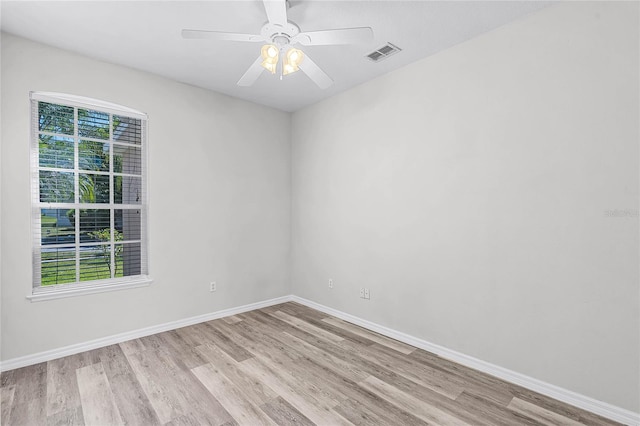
(286, 364)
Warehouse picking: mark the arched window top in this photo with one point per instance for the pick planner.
(84, 102)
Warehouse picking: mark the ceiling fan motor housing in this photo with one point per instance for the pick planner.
(280, 35)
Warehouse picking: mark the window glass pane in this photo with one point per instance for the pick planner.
(94, 188)
(95, 262)
(55, 118)
(128, 258)
(128, 224)
(56, 187)
(57, 265)
(93, 124)
(93, 156)
(55, 151)
(127, 190)
(57, 226)
(127, 159)
(95, 225)
(127, 130)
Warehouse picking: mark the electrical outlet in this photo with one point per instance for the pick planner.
(330, 283)
(367, 294)
(361, 292)
(212, 286)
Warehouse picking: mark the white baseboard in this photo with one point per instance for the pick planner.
(572, 398)
(581, 401)
(24, 361)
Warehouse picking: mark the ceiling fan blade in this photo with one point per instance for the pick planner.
(218, 35)
(252, 74)
(276, 11)
(340, 36)
(315, 73)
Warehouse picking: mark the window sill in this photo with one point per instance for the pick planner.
(73, 290)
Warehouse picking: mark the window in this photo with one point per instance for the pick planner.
(89, 202)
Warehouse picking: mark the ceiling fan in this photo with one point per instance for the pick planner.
(279, 36)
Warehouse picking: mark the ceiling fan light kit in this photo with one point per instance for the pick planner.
(269, 55)
(292, 62)
(280, 36)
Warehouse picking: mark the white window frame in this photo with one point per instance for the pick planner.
(38, 292)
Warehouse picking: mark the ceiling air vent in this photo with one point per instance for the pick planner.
(384, 52)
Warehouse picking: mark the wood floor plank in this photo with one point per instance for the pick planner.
(486, 411)
(364, 414)
(98, 403)
(472, 380)
(542, 415)
(225, 343)
(316, 318)
(351, 357)
(378, 338)
(429, 397)
(183, 420)
(254, 390)
(7, 378)
(581, 416)
(173, 391)
(32, 412)
(233, 319)
(407, 402)
(304, 311)
(300, 311)
(272, 322)
(153, 376)
(62, 384)
(257, 340)
(339, 331)
(153, 342)
(323, 358)
(6, 401)
(305, 326)
(301, 380)
(132, 346)
(340, 384)
(70, 417)
(285, 414)
(180, 348)
(31, 383)
(231, 397)
(132, 402)
(428, 377)
(194, 335)
(302, 400)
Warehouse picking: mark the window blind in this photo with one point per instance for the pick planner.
(89, 192)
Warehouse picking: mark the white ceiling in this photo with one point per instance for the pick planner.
(146, 35)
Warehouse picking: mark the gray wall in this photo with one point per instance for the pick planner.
(219, 180)
(469, 192)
